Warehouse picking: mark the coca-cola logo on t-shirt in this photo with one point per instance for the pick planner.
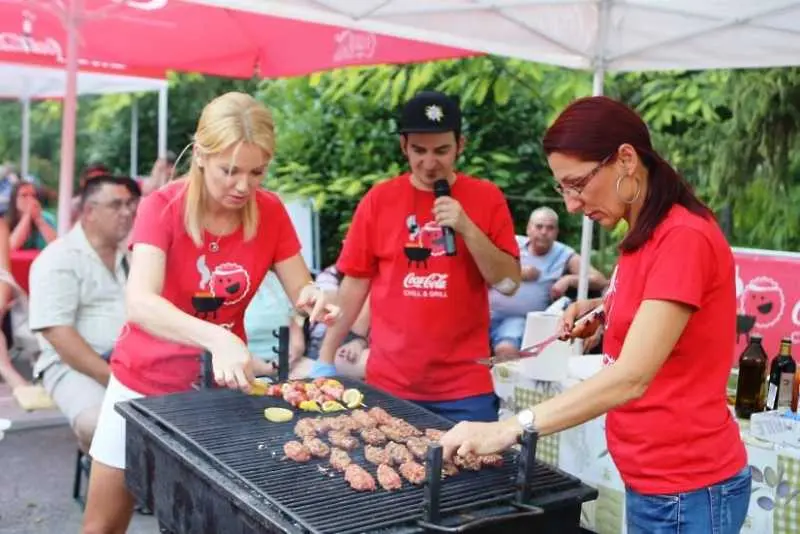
(432, 285)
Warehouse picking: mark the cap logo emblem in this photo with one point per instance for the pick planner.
(434, 113)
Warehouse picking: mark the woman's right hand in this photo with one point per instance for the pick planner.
(232, 363)
(576, 310)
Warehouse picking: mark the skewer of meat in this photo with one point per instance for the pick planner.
(491, 460)
(321, 425)
(434, 434)
(305, 429)
(388, 478)
(363, 419)
(380, 415)
(342, 439)
(376, 455)
(317, 447)
(398, 453)
(359, 478)
(373, 436)
(340, 459)
(469, 461)
(413, 472)
(294, 450)
(406, 428)
(418, 447)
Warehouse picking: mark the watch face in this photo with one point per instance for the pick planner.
(525, 418)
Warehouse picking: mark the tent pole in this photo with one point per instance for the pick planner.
(134, 168)
(26, 138)
(588, 225)
(162, 121)
(69, 115)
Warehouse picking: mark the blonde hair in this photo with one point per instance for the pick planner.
(228, 120)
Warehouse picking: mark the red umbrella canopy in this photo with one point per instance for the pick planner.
(149, 37)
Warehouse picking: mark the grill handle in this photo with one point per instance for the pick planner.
(527, 464)
(431, 506)
(526, 510)
(282, 351)
(206, 371)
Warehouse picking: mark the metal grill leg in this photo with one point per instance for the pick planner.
(83, 468)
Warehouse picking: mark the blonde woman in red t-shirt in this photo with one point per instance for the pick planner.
(669, 333)
(201, 247)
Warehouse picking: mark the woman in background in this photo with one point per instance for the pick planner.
(31, 227)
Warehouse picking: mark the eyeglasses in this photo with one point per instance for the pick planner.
(577, 187)
(118, 204)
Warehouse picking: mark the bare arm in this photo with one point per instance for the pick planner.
(495, 265)
(352, 295)
(47, 231)
(75, 352)
(5, 263)
(653, 334)
(21, 231)
(361, 325)
(293, 275)
(597, 281)
(147, 308)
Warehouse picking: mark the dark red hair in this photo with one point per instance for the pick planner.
(592, 128)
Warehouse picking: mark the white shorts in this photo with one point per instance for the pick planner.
(108, 445)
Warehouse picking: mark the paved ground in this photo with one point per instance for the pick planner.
(37, 468)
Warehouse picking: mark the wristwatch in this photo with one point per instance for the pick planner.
(527, 420)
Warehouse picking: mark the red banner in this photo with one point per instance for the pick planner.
(768, 296)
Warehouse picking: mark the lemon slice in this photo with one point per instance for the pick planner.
(353, 398)
(332, 406)
(310, 406)
(333, 383)
(278, 415)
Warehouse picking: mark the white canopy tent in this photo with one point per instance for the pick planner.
(597, 35)
(32, 82)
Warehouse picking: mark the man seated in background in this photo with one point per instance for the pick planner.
(77, 301)
(549, 269)
(351, 356)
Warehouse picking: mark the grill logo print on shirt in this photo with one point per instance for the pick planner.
(227, 284)
(424, 242)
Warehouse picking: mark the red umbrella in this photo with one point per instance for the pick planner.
(149, 37)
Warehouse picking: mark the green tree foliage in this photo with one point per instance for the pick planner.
(733, 134)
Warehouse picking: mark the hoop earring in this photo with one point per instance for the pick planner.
(635, 196)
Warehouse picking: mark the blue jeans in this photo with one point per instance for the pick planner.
(478, 408)
(717, 509)
(507, 328)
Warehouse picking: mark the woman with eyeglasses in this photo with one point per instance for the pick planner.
(669, 334)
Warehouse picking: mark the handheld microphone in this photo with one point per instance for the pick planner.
(442, 189)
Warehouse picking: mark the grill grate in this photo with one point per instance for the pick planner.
(229, 429)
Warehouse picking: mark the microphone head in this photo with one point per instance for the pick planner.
(441, 188)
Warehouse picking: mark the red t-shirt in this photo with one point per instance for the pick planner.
(214, 282)
(429, 311)
(680, 435)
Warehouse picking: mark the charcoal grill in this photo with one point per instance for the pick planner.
(208, 462)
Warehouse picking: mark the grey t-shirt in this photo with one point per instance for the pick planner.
(532, 295)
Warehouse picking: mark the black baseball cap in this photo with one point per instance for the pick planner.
(430, 112)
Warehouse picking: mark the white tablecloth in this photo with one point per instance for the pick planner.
(581, 451)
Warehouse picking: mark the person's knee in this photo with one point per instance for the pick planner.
(505, 347)
(84, 426)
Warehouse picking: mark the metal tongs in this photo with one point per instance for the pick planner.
(534, 350)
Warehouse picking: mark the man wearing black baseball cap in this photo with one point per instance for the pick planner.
(426, 245)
